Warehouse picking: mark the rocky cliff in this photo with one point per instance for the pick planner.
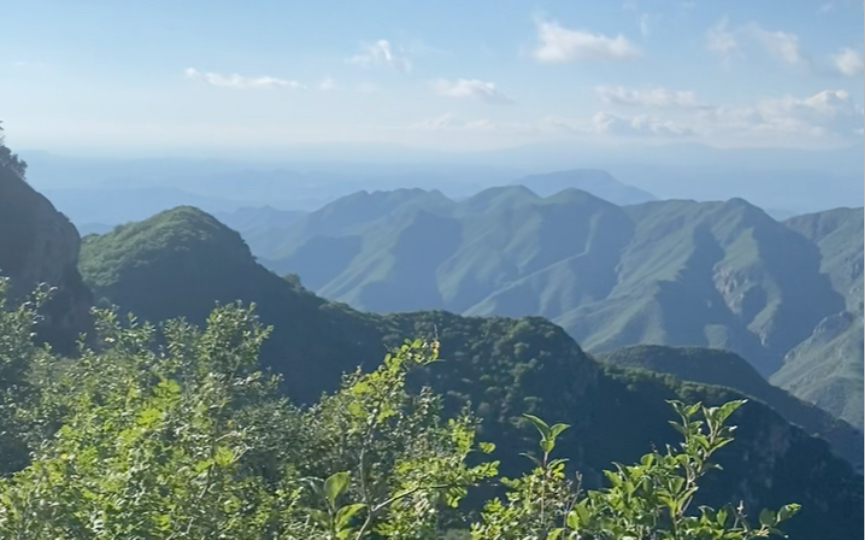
(38, 244)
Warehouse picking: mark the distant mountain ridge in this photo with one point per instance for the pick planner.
(599, 183)
(716, 274)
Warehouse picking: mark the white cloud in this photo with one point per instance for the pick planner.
(824, 119)
(237, 81)
(381, 53)
(784, 46)
(848, 62)
(829, 116)
(656, 96)
(720, 39)
(640, 125)
(604, 123)
(470, 88)
(561, 45)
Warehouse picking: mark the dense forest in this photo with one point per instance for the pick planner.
(241, 405)
(181, 436)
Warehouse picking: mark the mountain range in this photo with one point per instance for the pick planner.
(180, 262)
(712, 274)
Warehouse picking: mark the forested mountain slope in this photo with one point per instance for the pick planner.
(179, 262)
(715, 274)
(38, 244)
(724, 368)
(827, 368)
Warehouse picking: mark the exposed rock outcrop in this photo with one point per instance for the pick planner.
(38, 244)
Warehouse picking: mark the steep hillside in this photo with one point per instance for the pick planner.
(171, 264)
(599, 183)
(347, 216)
(711, 274)
(827, 368)
(719, 274)
(723, 368)
(193, 261)
(839, 235)
(39, 245)
(255, 224)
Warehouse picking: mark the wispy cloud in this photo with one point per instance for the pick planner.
(783, 46)
(562, 45)
(720, 39)
(26, 64)
(650, 96)
(470, 88)
(848, 62)
(604, 123)
(645, 20)
(826, 118)
(380, 53)
(449, 122)
(240, 82)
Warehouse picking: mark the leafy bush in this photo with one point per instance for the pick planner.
(174, 432)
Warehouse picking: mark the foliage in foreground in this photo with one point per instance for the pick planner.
(175, 433)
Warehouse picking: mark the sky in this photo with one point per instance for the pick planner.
(115, 76)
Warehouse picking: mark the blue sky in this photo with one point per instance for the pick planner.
(118, 76)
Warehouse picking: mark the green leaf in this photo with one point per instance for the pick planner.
(787, 511)
(767, 518)
(555, 533)
(335, 485)
(542, 426)
(345, 513)
(573, 520)
(223, 456)
(557, 429)
(725, 410)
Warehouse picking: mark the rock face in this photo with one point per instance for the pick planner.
(38, 244)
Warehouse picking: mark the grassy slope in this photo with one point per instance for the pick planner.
(179, 262)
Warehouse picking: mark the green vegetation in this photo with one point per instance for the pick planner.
(724, 368)
(827, 369)
(715, 274)
(37, 244)
(838, 234)
(176, 433)
(500, 368)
